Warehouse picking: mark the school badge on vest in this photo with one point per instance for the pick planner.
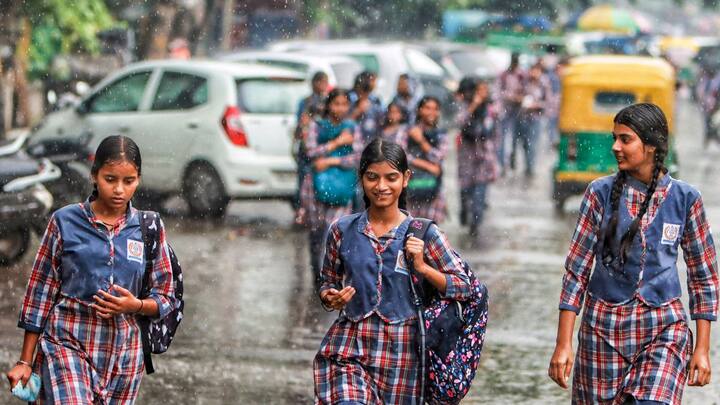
(135, 250)
(670, 234)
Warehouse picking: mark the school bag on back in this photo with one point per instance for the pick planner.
(157, 334)
(335, 185)
(451, 335)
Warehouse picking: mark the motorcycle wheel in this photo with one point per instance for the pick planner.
(13, 245)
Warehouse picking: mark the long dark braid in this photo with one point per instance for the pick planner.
(650, 124)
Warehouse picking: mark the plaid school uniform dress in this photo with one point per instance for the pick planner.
(435, 210)
(477, 161)
(633, 348)
(374, 360)
(82, 358)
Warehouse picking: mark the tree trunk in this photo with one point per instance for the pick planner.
(22, 115)
(155, 30)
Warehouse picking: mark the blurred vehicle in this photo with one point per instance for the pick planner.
(388, 59)
(341, 70)
(594, 89)
(461, 60)
(213, 130)
(74, 159)
(24, 201)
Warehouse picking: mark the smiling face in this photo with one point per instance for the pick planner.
(383, 184)
(339, 107)
(429, 113)
(116, 183)
(394, 114)
(631, 153)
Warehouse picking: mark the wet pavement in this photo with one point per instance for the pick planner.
(252, 326)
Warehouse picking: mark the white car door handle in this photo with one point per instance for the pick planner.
(192, 125)
(124, 129)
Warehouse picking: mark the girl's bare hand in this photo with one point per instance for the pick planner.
(345, 138)
(700, 372)
(415, 250)
(107, 305)
(337, 299)
(21, 373)
(561, 365)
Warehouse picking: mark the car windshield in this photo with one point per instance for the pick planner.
(422, 64)
(270, 96)
(345, 73)
(472, 63)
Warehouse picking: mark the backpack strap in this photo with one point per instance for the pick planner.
(420, 288)
(149, 226)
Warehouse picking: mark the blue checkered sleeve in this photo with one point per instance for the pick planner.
(580, 258)
(701, 260)
(441, 256)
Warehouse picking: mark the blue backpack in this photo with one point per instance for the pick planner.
(451, 333)
(157, 334)
(335, 185)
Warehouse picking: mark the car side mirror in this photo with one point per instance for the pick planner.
(82, 108)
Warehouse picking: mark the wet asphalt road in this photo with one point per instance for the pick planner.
(252, 326)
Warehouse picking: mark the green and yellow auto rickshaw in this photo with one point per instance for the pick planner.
(594, 89)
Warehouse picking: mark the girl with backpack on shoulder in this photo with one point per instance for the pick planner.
(426, 145)
(82, 303)
(477, 158)
(370, 353)
(333, 144)
(635, 345)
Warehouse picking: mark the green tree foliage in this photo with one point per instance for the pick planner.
(63, 27)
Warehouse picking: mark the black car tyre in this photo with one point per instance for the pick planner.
(13, 245)
(204, 192)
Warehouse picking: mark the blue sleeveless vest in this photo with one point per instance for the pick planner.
(653, 277)
(369, 272)
(87, 264)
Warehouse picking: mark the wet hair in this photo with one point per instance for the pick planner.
(334, 93)
(115, 149)
(403, 112)
(422, 103)
(363, 81)
(466, 88)
(318, 76)
(649, 123)
(378, 151)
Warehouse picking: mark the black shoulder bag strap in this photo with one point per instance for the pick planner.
(418, 228)
(151, 236)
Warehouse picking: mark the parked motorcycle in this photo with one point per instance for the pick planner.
(24, 201)
(74, 159)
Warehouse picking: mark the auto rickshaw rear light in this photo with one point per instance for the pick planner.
(233, 127)
(572, 148)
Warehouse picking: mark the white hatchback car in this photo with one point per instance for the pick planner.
(214, 130)
(341, 70)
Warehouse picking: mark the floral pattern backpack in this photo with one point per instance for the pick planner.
(451, 334)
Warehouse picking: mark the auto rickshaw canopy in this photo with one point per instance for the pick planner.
(595, 88)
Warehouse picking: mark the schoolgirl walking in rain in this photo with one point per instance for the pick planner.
(82, 299)
(426, 145)
(477, 159)
(369, 355)
(333, 144)
(635, 345)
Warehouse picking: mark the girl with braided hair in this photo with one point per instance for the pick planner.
(634, 343)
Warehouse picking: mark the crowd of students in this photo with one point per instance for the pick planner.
(494, 120)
